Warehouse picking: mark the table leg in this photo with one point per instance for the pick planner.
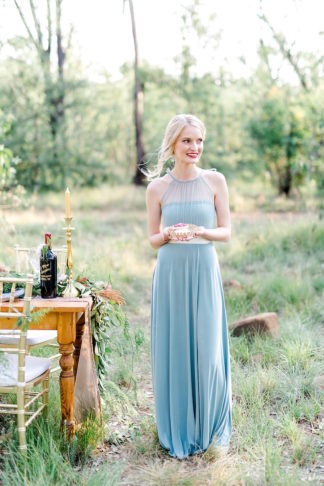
(78, 341)
(65, 337)
(67, 387)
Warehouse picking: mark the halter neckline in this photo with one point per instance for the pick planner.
(188, 180)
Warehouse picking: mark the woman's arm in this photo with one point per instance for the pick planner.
(223, 230)
(157, 237)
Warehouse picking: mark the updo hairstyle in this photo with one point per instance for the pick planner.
(172, 132)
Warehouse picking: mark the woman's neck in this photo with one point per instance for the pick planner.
(185, 172)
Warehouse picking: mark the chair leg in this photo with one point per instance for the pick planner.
(45, 397)
(21, 420)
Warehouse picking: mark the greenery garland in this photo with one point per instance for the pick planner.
(107, 318)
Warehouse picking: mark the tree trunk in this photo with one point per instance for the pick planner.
(139, 177)
(285, 180)
(139, 110)
(60, 64)
(58, 98)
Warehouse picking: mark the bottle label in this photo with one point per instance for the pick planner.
(45, 272)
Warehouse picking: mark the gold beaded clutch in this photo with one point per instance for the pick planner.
(182, 231)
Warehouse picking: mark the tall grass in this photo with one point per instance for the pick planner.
(276, 261)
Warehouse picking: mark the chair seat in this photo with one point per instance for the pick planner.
(33, 337)
(9, 368)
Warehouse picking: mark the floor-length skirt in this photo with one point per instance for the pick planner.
(189, 350)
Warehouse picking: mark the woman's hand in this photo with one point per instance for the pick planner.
(215, 234)
(200, 232)
(166, 234)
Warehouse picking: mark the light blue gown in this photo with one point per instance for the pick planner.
(189, 339)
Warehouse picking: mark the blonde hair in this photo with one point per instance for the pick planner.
(172, 132)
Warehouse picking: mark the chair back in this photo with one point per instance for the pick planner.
(23, 264)
(10, 312)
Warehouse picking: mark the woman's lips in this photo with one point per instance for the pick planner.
(193, 156)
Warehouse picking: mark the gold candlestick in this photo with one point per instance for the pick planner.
(70, 291)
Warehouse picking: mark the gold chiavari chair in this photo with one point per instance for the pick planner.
(20, 373)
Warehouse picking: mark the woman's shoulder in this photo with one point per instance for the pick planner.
(214, 177)
(158, 185)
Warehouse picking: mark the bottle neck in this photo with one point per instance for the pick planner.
(48, 240)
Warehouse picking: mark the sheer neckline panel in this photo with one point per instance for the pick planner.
(193, 190)
(186, 180)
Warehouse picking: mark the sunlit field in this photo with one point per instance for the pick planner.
(274, 262)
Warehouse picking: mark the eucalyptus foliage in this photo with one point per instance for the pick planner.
(107, 317)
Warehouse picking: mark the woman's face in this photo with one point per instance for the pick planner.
(189, 145)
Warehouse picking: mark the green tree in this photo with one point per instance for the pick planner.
(279, 131)
(10, 190)
(53, 84)
(307, 67)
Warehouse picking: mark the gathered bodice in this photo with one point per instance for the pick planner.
(190, 201)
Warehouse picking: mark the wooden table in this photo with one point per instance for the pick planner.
(67, 316)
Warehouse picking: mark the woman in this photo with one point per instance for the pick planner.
(189, 340)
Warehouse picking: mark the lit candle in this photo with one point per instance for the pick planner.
(67, 203)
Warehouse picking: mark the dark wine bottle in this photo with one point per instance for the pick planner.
(48, 270)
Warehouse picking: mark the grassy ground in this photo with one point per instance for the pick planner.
(274, 262)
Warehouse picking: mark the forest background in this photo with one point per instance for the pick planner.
(61, 124)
